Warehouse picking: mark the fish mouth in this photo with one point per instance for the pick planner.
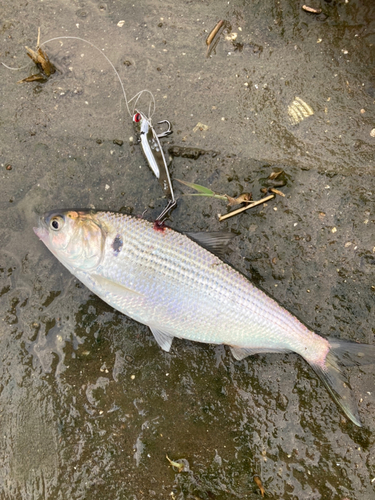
(41, 231)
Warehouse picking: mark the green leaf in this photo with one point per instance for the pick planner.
(202, 191)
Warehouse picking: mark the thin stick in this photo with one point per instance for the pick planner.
(311, 9)
(37, 43)
(276, 191)
(251, 205)
(212, 35)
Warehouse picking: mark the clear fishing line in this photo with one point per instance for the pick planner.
(152, 105)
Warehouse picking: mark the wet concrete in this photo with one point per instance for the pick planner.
(89, 404)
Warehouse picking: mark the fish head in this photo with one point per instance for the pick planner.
(76, 238)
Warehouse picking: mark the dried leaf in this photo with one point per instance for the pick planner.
(243, 198)
(34, 78)
(175, 464)
(200, 126)
(41, 60)
(258, 482)
(274, 175)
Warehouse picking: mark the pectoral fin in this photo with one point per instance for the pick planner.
(214, 241)
(242, 352)
(163, 339)
(113, 286)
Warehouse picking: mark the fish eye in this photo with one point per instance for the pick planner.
(56, 223)
(137, 117)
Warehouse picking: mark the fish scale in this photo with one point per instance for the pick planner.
(167, 281)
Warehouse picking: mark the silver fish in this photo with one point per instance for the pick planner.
(163, 279)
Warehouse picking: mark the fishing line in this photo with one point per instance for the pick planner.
(16, 69)
(152, 105)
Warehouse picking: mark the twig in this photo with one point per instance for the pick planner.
(240, 210)
(212, 35)
(311, 9)
(276, 191)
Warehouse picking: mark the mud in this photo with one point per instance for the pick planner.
(89, 404)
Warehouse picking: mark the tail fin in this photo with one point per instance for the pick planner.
(344, 353)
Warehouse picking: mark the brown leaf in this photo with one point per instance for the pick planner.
(258, 482)
(41, 60)
(274, 175)
(34, 78)
(243, 198)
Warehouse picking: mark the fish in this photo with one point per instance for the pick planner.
(168, 281)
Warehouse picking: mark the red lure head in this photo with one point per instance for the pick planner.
(137, 117)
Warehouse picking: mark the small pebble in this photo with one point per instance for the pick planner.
(372, 133)
(8, 167)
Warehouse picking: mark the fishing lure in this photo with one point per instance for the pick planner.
(153, 151)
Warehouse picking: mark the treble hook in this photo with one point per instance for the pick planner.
(167, 132)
